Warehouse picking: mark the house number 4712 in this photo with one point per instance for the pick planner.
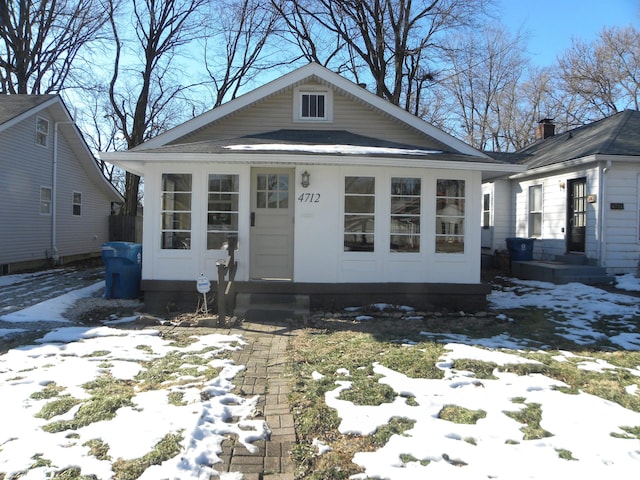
(309, 198)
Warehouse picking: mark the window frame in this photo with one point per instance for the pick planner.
(48, 202)
(532, 212)
(443, 218)
(181, 238)
(42, 134)
(486, 210)
(233, 201)
(366, 212)
(298, 103)
(75, 204)
(411, 213)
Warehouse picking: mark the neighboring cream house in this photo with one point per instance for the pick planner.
(56, 201)
(331, 191)
(579, 197)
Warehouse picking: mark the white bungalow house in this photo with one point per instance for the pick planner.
(57, 202)
(579, 199)
(331, 191)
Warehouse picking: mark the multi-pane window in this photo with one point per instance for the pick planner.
(486, 210)
(176, 211)
(42, 131)
(535, 211)
(45, 200)
(450, 208)
(272, 190)
(405, 215)
(359, 213)
(312, 106)
(77, 203)
(222, 210)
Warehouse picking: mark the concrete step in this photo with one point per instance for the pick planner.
(560, 272)
(271, 306)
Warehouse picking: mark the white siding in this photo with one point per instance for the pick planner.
(318, 244)
(621, 250)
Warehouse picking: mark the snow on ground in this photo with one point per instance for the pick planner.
(587, 428)
(72, 356)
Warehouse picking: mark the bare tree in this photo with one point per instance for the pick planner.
(235, 45)
(602, 77)
(143, 96)
(40, 40)
(487, 68)
(396, 43)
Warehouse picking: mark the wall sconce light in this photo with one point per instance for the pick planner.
(562, 185)
(304, 179)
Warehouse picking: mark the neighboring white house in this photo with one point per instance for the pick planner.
(331, 191)
(56, 201)
(579, 196)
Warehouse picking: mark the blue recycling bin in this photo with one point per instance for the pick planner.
(520, 248)
(123, 269)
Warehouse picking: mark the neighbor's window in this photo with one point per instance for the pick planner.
(176, 211)
(486, 210)
(312, 105)
(45, 201)
(535, 211)
(77, 203)
(222, 210)
(272, 190)
(42, 131)
(450, 208)
(405, 215)
(359, 213)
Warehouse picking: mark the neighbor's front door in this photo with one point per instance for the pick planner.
(272, 206)
(576, 214)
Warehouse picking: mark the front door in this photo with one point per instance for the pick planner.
(576, 214)
(272, 223)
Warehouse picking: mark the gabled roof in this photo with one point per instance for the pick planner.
(310, 72)
(615, 135)
(16, 108)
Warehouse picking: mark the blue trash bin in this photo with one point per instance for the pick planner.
(123, 269)
(520, 248)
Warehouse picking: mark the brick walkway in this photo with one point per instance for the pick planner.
(265, 375)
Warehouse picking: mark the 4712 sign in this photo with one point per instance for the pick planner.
(309, 198)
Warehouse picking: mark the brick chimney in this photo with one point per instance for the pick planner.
(545, 129)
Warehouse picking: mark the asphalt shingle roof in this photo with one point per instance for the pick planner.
(618, 134)
(13, 105)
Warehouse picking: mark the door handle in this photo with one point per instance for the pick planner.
(253, 219)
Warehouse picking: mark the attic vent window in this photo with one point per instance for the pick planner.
(42, 131)
(311, 105)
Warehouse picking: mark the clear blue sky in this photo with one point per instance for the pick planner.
(551, 24)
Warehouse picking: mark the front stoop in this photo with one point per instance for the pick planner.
(271, 306)
(560, 272)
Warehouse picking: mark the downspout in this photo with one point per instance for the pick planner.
(54, 193)
(601, 223)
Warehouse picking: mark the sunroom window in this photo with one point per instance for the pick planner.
(450, 208)
(405, 215)
(176, 211)
(359, 214)
(222, 210)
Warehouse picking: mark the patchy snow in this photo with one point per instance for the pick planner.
(586, 427)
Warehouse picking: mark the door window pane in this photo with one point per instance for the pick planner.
(272, 191)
